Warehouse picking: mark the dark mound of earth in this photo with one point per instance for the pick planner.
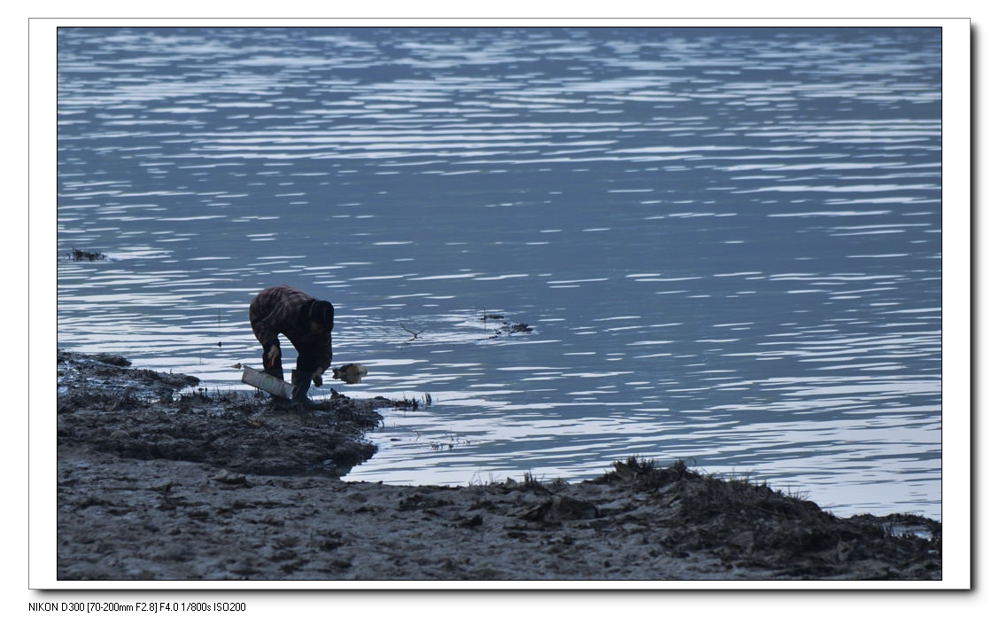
(751, 525)
(109, 406)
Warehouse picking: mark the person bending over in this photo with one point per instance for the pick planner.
(307, 322)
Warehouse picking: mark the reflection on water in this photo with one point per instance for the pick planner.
(726, 241)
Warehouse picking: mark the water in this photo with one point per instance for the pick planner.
(726, 241)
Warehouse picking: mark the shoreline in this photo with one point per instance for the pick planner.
(152, 486)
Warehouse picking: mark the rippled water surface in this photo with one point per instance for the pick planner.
(726, 241)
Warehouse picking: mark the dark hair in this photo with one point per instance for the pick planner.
(321, 312)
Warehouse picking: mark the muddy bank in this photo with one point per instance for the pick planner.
(107, 405)
(195, 486)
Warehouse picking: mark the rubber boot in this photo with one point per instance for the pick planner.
(300, 393)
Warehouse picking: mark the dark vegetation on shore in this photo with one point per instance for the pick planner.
(158, 482)
(751, 525)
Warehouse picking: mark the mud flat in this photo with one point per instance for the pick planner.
(106, 405)
(161, 483)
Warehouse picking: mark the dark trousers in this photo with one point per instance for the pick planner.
(307, 363)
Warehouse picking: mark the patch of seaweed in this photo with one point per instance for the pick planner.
(83, 255)
(644, 474)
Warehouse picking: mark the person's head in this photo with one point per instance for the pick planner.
(320, 313)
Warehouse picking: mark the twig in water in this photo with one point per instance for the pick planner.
(416, 334)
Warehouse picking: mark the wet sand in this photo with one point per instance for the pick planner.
(160, 482)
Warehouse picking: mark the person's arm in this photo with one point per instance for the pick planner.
(261, 311)
(268, 339)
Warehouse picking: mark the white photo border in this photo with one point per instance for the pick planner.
(956, 295)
